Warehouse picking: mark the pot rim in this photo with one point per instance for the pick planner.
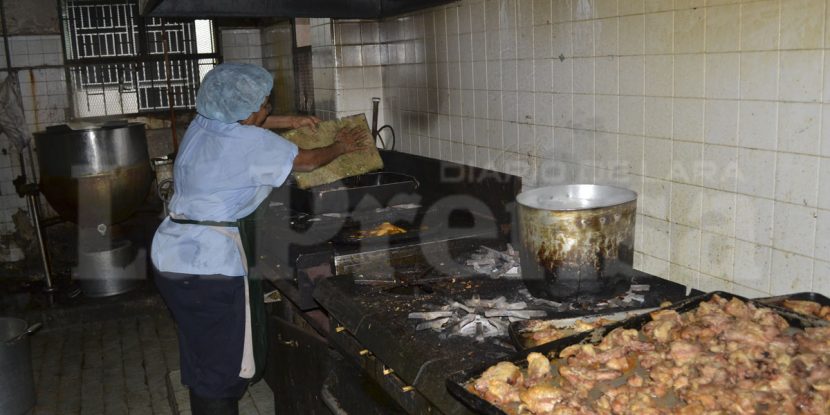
(574, 197)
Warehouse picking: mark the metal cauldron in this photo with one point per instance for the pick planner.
(575, 238)
(96, 175)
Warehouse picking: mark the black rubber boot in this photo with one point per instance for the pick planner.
(205, 406)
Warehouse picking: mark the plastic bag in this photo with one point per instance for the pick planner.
(12, 119)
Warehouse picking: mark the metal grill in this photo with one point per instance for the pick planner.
(117, 63)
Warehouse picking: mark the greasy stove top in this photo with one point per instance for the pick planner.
(378, 319)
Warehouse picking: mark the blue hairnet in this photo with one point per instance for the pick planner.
(230, 92)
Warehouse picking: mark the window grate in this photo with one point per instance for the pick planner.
(116, 58)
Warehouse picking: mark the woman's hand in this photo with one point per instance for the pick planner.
(348, 140)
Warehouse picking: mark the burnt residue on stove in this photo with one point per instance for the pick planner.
(415, 290)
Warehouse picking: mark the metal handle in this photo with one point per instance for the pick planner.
(31, 329)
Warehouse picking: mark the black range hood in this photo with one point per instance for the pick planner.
(339, 9)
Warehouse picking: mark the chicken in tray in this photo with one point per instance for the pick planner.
(541, 331)
(809, 308)
(725, 356)
(384, 229)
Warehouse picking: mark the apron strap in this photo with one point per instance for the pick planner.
(222, 224)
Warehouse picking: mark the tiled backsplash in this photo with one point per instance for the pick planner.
(242, 46)
(714, 112)
(347, 67)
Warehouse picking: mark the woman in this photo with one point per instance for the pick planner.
(226, 166)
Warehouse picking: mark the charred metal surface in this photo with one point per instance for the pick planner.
(299, 253)
(371, 327)
(295, 243)
(578, 250)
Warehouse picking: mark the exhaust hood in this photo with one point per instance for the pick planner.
(339, 9)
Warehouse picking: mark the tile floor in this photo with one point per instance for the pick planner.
(119, 366)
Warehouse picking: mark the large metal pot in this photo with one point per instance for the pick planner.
(113, 270)
(575, 238)
(95, 175)
(17, 387)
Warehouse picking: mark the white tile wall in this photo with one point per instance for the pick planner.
(242, 45)
(347, 57)
(716, 113)
(39, 61)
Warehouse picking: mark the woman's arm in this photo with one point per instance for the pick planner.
(345, 141)
(282, 122)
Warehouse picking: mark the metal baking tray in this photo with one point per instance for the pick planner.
(458, 382)
(369, 191)
(777, 301)
(518, 329)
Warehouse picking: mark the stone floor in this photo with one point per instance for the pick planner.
(118, 366)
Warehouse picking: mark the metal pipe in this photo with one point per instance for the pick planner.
(375, 105)
(32, 203)
(376, 131)
(5, 35)
(168, 74)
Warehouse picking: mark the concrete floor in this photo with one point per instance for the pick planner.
(124, 366)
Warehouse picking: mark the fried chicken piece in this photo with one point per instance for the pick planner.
(585, 378)
(543, 398)
(544, 332)
(628, 399)
(587, 356)
(684, 352)
(812, 403)
(546, 336)
(627, 338)
(710, 397)
(665, 373)
(810, 308)
(710, 371)
(498, 383)
(814, 340)
(618, 337)
(738, 309)
(662, 325)
(578, 349)
(825, 312)
(650, 359)
(749, 333)
(768, 317)
(620, 363)
(700, 334)
(538, 367)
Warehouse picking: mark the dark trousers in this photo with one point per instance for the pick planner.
(209, 311)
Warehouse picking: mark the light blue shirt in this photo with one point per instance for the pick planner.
(222, 172)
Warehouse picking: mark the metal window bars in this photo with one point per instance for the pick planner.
(116, 58)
